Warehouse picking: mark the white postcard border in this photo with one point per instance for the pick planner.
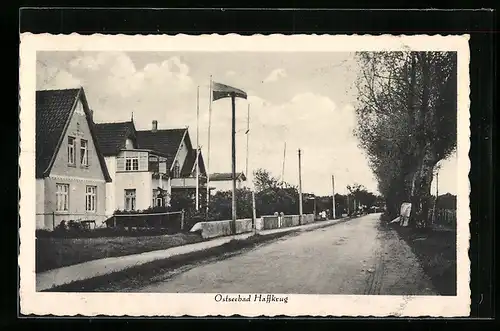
(155, 304)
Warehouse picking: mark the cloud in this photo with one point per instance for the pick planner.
(275, 75)
(230, 73)
(164, 90)
(55, 78)
(447, 176)
(116, 88)
(309, 121)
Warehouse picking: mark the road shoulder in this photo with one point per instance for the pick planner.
(398, 270)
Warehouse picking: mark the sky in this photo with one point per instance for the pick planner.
(298, 100)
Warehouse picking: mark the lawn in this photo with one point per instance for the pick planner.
(436, 251)
(54, 253)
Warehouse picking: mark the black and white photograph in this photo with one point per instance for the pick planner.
(256, 175)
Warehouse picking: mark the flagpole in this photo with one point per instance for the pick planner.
(197, 147)
(208, 156)
(248, 132)
(233, 157)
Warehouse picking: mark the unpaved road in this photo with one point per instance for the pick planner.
(354, 257)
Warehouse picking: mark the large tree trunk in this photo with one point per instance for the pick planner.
(421, 189)
(422, 178)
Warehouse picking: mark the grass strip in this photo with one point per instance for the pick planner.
(145, 272)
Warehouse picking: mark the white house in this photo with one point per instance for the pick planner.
(222, 181)
(146, 166)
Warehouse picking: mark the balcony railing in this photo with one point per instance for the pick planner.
(186, 182)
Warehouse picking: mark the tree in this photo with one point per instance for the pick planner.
(407, 109)
(361, 195)
(221, 204)
(273, 195)
(264, 180)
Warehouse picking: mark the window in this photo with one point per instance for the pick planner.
(131, 163)
(130, 199)
(84, 152)
(177, 169)
(62, 197)
(158, 198)
(90, 198)
(71, 150)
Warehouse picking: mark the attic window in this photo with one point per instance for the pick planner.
(177, 169)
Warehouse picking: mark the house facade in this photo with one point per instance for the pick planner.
(146, 166)
(71, 173)
(222, 181)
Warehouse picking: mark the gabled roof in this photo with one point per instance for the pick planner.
(112, 136)
(226, 176)
(189, 163)
(166, 142)
(54, 110)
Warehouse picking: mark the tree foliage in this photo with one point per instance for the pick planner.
(406, 111)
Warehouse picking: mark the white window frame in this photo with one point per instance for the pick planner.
(84, 152)
(131, 163)
(130, 195)
(71, 151)
(91, 198)
(62, 197)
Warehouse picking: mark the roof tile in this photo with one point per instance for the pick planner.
(166, 142)
(53, 108)
(112, 136)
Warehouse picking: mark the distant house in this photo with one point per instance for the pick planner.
(71, 173)
(222, 181)
(147, 165)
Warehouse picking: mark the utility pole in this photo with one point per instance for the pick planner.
(300, 190)
(233, 140)
(283, 168)
(208, 152)
(434, 212)
(348, 204)
(254, 213)
(247, 133)
(333, 197)
(437, 184)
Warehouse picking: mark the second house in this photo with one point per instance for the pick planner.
(146, 166)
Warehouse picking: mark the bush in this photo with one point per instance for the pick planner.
(104, 232)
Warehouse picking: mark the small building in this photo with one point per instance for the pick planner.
(147, 165)
(71, 173)
(222, 181)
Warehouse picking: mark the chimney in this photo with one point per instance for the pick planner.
(155, 126)
(91, 114)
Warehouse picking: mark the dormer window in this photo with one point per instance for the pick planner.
(177, 169)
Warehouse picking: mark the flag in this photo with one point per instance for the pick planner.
(220, 91)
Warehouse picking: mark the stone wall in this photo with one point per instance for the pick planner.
(222, 228)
